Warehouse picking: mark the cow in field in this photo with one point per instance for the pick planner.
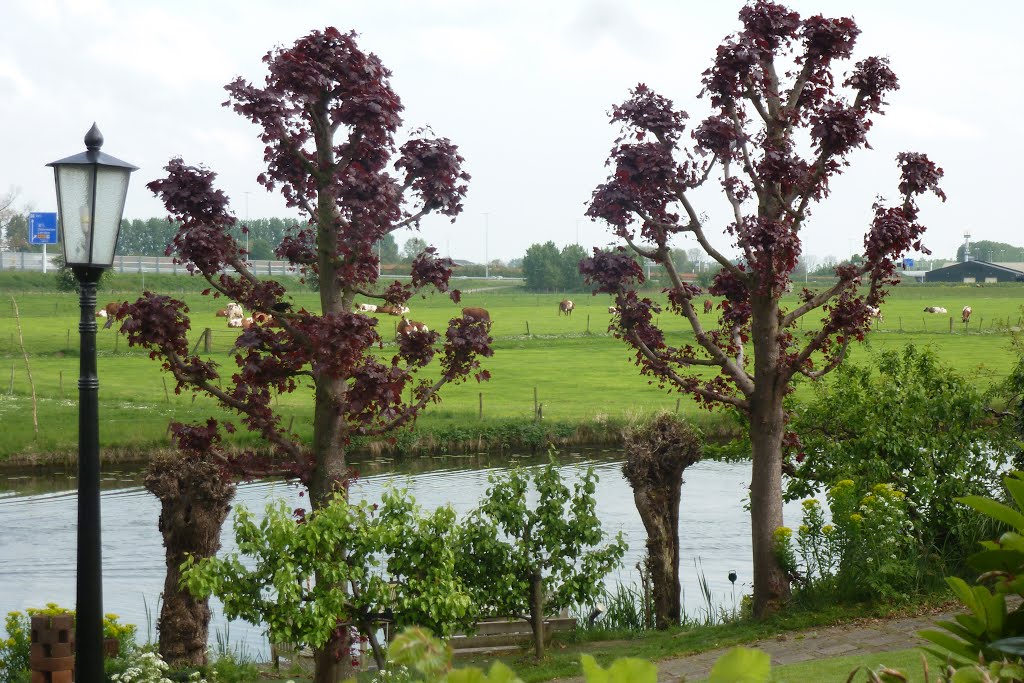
(965, 314)
(875, 313)
(234, 322)
(367, 308)
(261, 318)
(393, 309)
(222, 313)
(406, 326)
(934, 309)
(613, 310)
(234, 311)
(708, 305)
(476, 314)
(246, 323)
(109, 312)
(565, 306)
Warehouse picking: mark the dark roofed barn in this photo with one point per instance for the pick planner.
(977, 271)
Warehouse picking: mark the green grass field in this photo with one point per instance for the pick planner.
(574, 367)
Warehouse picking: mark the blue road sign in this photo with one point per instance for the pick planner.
(42, 228)
(908, 263)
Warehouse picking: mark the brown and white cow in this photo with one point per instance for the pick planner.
(565, 306)
(934, 309)
(709, 305)
(965, 314)
(874, 313)
(406, 326)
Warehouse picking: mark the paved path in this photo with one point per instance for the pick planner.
(861, 637)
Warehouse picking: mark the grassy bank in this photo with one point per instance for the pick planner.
(554, 378)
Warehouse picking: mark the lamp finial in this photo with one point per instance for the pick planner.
(93, 139)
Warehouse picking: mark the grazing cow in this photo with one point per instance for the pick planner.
(965, 314)
(934, 309)
(875, 313)
(406, 326)
(708, 305)
(367, 308)
(476, 314)
(565, 306)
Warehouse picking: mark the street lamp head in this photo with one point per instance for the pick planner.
(91, 191)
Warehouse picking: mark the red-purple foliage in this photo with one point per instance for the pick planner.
(328, 117)
(779, 133)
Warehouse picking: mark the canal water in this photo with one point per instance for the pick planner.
(38, 540)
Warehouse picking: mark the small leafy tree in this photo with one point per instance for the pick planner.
(780, 131)
(399, 562)
(328, 119)
(530, 560)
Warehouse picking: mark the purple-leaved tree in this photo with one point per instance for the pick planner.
(783, 125)
(328, 117)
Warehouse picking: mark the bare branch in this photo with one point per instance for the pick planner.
(832, 365)
(682, 383)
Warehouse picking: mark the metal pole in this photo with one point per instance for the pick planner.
(247, 225)
(89, 583)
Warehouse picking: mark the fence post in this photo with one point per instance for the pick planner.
(158, 264)
(167, 395)
(120, 263)
(527, 328)
(588, 323)
(140, 263)
(534, 396)
(208, 336)
(481, 405)
(951, 324)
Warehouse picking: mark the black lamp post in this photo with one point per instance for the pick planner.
(91, 190)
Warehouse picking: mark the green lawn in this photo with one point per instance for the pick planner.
(573, 367)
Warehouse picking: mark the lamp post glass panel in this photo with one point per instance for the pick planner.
(91, 191)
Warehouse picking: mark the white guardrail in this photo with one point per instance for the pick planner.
(20, 260)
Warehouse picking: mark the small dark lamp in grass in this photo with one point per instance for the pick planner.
(91, 191)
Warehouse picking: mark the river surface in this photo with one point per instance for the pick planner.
(38, 541)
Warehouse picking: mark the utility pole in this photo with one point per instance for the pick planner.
(247, 226)
(487, 271)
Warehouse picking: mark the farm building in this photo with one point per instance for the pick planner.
(977, 271)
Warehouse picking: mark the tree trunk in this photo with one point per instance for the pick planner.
(194, 502)
(656, 456)
(537, 613)
(767, 427)
(659, 510)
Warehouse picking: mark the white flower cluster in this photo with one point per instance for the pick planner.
(149, 667)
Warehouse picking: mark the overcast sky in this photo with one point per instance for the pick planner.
(523, 88)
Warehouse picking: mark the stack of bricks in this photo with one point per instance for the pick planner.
(52, 659)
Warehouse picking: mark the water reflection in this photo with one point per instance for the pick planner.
(38, 518)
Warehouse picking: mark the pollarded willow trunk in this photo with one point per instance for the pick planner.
(656, 456)
(195, 499)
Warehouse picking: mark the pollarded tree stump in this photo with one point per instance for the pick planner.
(52, 654)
